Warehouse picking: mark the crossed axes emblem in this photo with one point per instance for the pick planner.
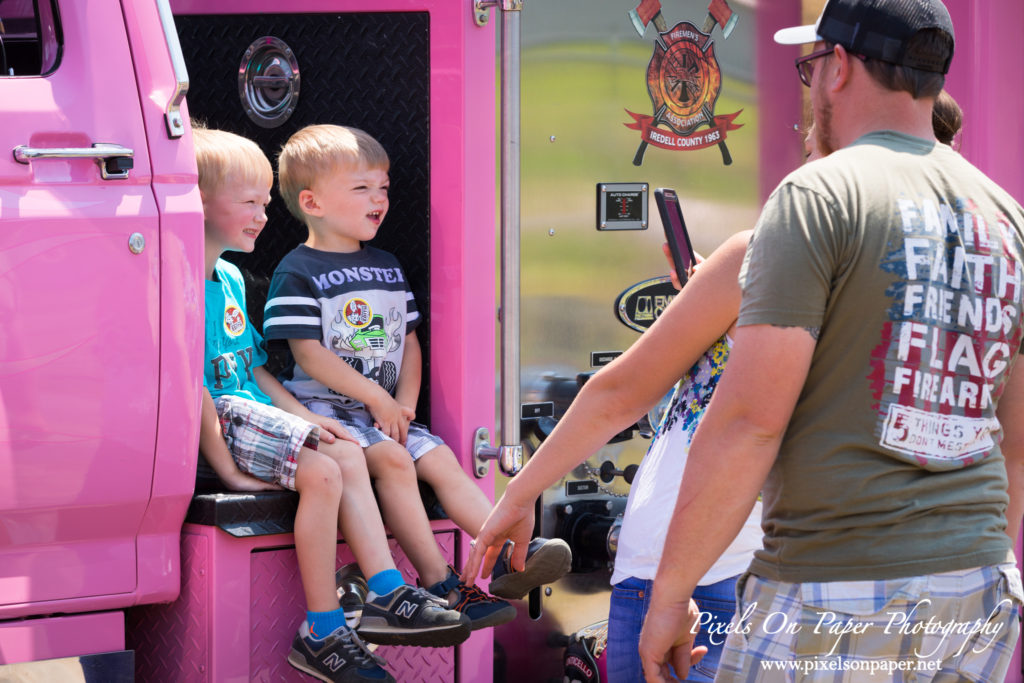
(683, 80)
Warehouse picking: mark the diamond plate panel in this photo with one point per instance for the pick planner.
(170, 641)
(245, 514)
(368, 70)
(277, 611)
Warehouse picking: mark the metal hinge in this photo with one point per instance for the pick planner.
(480, 7)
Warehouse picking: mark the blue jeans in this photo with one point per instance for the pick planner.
(629, 603)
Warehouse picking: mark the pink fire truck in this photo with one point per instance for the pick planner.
(112, 566)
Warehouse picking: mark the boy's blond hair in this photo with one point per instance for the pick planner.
(221, 155)
(318, 150)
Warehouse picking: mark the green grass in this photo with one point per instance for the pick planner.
(579, 94)
(574, 98)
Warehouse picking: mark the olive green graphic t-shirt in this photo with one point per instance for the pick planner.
(909, 260)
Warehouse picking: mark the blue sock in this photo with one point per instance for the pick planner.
(386, 581)
(322, 624)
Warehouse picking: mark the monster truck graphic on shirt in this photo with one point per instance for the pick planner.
(363, 339)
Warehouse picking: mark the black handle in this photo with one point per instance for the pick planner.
(608, 472)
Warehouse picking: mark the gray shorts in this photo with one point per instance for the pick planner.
(359, 423)
(264, 440)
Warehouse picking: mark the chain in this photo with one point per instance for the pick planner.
(595, 474)
(598, 633)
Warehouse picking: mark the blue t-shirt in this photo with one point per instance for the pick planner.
(233, 346)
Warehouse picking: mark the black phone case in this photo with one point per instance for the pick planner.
(665, 207)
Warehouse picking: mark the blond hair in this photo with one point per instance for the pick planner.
(319, 150)
(221, 155)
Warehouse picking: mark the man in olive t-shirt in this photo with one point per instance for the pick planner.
(868, 391)
(890, 464)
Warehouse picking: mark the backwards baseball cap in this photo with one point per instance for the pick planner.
(879, 29)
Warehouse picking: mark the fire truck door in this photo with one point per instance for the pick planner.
(79, 286)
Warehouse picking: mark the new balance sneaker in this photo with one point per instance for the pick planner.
(411, 616)
(482, 609)
(341, 657)
(547, 560)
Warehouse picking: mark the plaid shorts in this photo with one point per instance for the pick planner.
(264, 440)
(954, 626)
(359, 423)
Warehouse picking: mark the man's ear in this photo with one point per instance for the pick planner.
(308, 203)
(840, 69)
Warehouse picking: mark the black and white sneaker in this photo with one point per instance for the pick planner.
(547, 560)
(341, 657)
(411, 616)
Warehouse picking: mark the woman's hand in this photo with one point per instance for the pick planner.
(507, 521)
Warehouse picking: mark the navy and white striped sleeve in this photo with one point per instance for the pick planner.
(412, 314)
(292, 311)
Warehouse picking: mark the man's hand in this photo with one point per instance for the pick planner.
(506, 521)
(666, 639)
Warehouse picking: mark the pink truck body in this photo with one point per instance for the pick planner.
(100, 382)
(101, 353)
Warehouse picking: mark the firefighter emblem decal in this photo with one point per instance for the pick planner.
(683, 81)
(357, 313)
(234, 320)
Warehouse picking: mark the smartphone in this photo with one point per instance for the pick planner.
(675, 231)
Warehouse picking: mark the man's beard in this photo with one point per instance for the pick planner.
(823, 126)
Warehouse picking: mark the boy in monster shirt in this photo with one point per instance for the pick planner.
(349, 318)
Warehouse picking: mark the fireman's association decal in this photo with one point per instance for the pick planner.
(357, 312)
(234, 320)
(683, 81)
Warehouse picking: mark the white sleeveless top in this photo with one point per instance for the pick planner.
(652, 497)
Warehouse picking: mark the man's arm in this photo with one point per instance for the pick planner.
(732, 451)
(1010, 412)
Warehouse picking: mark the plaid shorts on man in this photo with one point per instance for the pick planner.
(264, 440)
(954, 626)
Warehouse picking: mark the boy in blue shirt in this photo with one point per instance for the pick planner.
(257, 436)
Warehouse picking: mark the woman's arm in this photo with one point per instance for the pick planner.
(623, 391)
(620, 393)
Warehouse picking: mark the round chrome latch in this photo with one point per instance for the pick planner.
(136, 243)
(268, 82)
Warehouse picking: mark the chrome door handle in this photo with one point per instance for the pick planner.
(114, 160)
